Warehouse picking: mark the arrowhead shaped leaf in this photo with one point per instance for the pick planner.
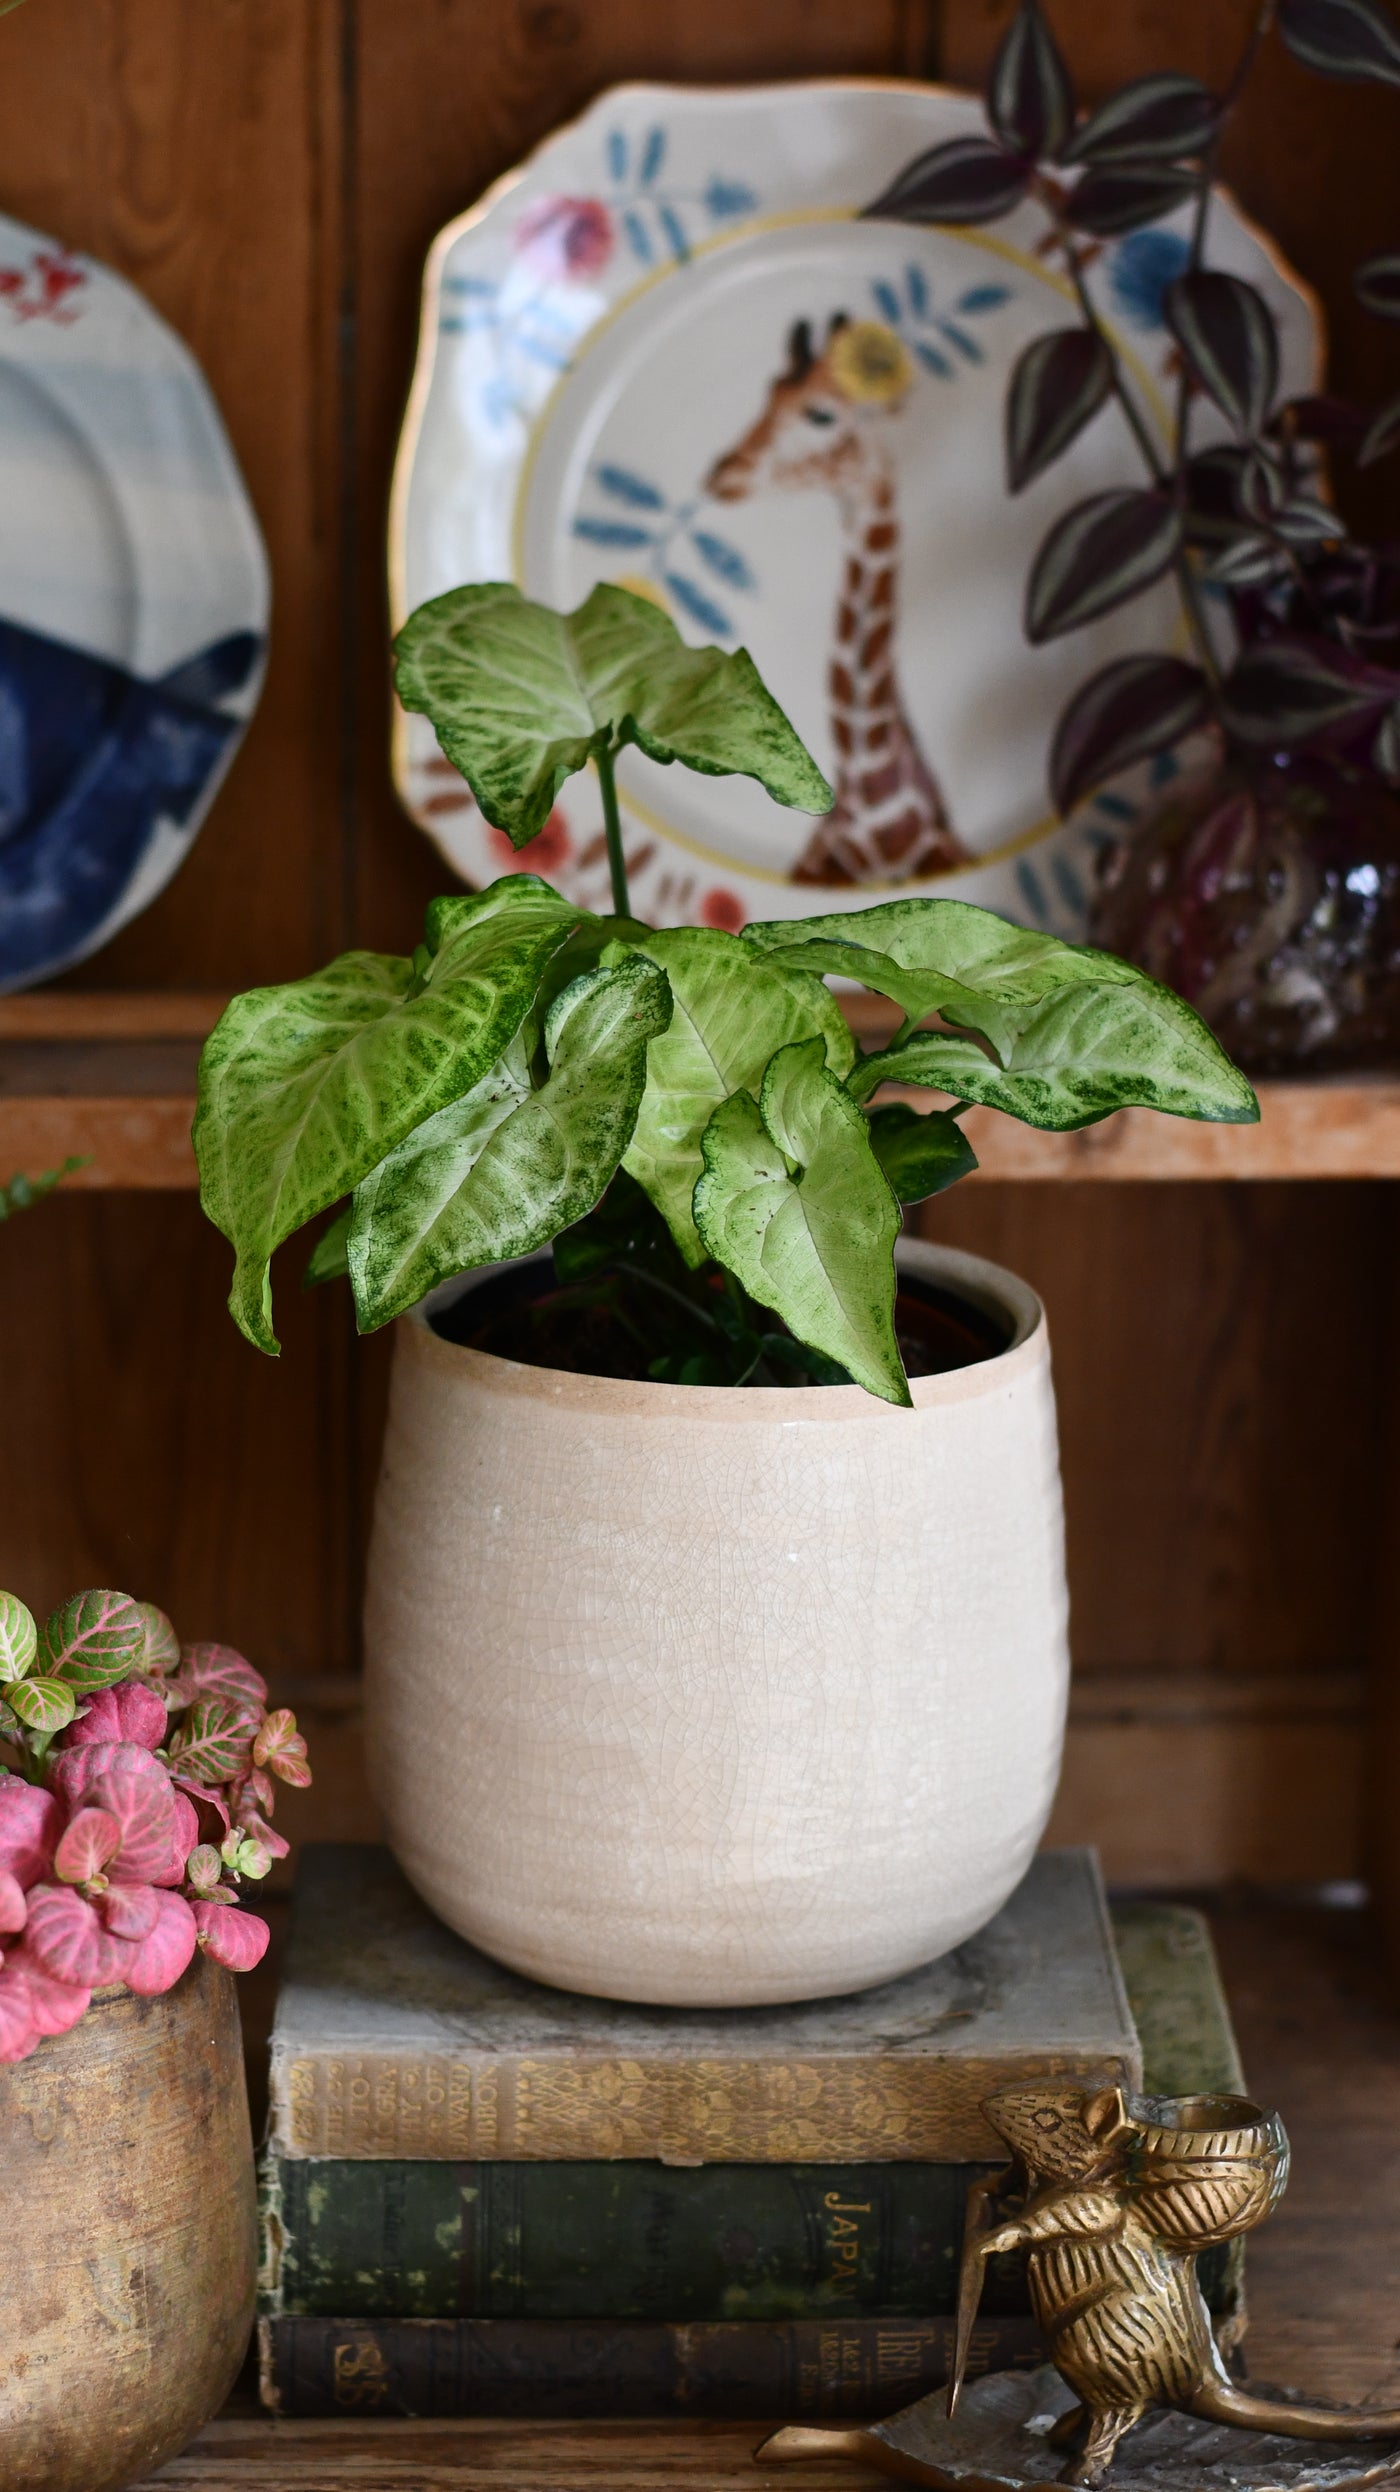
(1078, 1032)
(19, 1638)
(93, 1640)
(520, 697)
(793, 1203)
(919, 1155)
(304, 1088)
(726, 1023)
(502, 1170)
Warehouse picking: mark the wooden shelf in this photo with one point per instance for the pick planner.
(1320, 2037)
(110, 1078)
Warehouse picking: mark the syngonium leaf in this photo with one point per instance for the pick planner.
(726, 1024)
(919, 1155)
(502, 1170)
(1076, 1033)
(304, 1088)
(520, 698)
(792, 1201)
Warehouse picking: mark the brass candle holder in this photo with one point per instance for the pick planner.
(1112, 2197)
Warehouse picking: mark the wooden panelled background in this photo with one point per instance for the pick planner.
(271, 173)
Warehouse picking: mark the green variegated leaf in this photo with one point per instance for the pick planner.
(45, 1705)
(520, 697)
(726, 1025)
(215, 1740)
(329, 1259)
(93, 1640)
(505, 1169)
(1077, 1032)
(304, 1088)
(919, 1155)
(162, 1652)
(793, 1203)
(19, 1638)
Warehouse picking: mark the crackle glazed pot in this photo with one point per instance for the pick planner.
(128, 2236)
(714, 1696)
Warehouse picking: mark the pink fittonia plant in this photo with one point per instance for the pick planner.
(136, 1794)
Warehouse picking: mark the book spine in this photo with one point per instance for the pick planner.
(866, 2107)
(802, 2370)
(618, 2240)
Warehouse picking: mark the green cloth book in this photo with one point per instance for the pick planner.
(394, 2039)
(350, 2238)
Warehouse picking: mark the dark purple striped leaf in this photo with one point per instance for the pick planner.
(1377, 281)
(1321, 417)
(1382, 434)
(1248, 562)
(1135, 707)
(1342, 38)
(1306, 522)
(1030, 101)
(1226, 331)
(969, 181)
(1164, 115)
(1059, 382)
(1213, 504)
(1386, 751)
(1283, 691)
(1116, 198)
(1100, 554)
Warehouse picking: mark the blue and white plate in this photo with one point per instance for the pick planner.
(668, 352)
(133, 604)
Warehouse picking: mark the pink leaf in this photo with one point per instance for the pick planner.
(74, 1771)
(182, 1841)
(217, 1670)
(65, 1935)
(130, 1911)
(279, 1745)
(215, 1739)
(14, 1911)
(139, 1795)
(157, 1963)
(262, 1832)
(18, 2031)
(204, 1798)
(56, 2006)
(86, 1845)
(132, 1712)
(31, 1822)
(237, 1939)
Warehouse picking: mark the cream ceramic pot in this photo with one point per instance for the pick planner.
(718, 1697)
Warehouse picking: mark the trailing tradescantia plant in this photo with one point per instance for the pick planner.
(1265, 887)
(683, 1114)
(136, 1797)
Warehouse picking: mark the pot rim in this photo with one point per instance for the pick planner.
(988, 1285)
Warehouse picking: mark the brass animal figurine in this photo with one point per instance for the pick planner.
(1112, 2196)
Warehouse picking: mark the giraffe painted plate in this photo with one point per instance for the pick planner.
(668, 352)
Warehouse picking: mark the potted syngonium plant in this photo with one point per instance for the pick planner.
(716, 1616)
(137, 1781)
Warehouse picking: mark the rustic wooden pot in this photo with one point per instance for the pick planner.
(128, 2236)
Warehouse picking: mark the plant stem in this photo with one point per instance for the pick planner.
(612, 825)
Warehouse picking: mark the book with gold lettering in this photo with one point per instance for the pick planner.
(395, 2040)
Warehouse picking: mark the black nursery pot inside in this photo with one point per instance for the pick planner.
(522, 1314)
(1267, 892)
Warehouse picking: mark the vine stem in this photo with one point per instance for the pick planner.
(612, 826)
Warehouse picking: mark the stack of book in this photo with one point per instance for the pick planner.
(482, 2196)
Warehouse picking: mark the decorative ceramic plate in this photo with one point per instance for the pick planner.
(133, 604)
(668, 352)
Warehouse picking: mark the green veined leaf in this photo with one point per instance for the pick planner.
(45, 1705)
(1101, 553)
(520, 697)
(215, 1740)
(792, 1202)
(919, 1155)
(304, 1088)
(502, 1171)
(162, 1648)
(93, 1640)
(1102, 1022)
(726, 1025)
(19, 1638)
